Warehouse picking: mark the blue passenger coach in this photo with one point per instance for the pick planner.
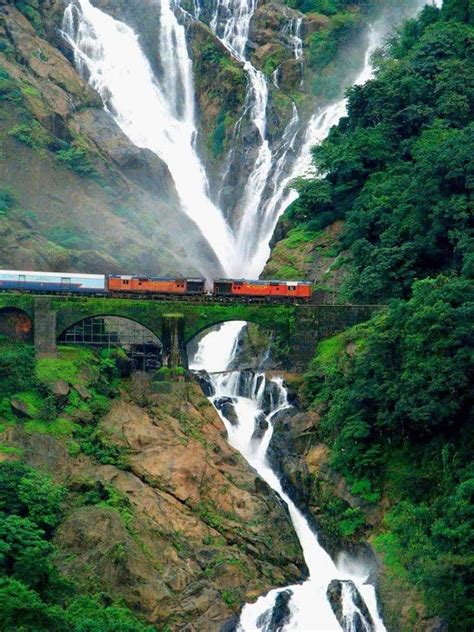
(52, 282)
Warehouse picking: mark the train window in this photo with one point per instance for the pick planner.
(292, 288)
(21, 278)
(65, 281)
(125, 281)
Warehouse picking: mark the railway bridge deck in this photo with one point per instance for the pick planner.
(176, 322)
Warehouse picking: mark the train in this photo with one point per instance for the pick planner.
(151, 287)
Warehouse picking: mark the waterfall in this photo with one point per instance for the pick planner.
(292, 30)
(309, 605)
(231, 23)
(157, 116)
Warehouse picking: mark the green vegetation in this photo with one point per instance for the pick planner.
(398, 421)
(8, 201)
(33, 594)
(27, 382)
(326, 42)
(79, 158)
(9, 89)
(70, 238)
(31, 10)
(32, 134)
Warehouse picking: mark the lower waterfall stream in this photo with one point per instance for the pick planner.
(309, 607)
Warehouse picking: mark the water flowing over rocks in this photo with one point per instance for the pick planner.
(256, 403)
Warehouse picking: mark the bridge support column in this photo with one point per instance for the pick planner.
(174, 345)
(304, 338)
(45, 328)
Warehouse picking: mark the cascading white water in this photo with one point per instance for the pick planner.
(317, 129)
(309, 606)
(156, 116)
(231, 23)
(292, 30)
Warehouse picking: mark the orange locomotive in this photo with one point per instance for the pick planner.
(119, 284)
(286, 291)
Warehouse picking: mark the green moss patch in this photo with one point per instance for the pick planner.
(68, 366)
(58, 428)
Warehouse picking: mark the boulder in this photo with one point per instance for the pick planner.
(81, 415)
(271, 396)
(22, 408)
(261, 426)
(436, 624)
(275, 619)
(205, 383)
(361, 620)
(82, 390)
(227, 408)
(59, 388)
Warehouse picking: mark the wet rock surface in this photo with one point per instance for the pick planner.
(261, 426)
(205, 383)
(361, 620)
(227, 408)
(275, 619)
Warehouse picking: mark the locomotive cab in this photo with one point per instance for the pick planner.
(195, 286)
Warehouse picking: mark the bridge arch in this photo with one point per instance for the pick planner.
(107, 331)
(208, 327)
(253, 342)
(16, 324)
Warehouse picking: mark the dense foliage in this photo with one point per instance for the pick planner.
(33, 595)
(399, 167)
(397, 402)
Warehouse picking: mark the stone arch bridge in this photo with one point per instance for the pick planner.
(176, 323)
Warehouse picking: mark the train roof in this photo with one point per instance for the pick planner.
(154, 278)
(58, 275)
(262, 281)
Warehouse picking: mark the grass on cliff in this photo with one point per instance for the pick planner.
(72, 418)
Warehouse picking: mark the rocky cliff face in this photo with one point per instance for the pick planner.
(183, 531)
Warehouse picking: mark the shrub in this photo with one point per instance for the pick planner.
(32, 134)
(8, 200)
(9, 90)
(30, 9)
(79, 158)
